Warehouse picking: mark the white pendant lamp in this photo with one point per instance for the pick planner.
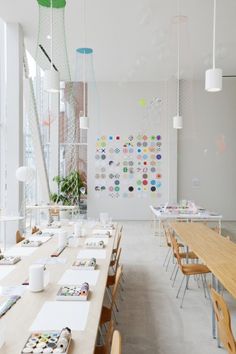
(213, 77)
(84, 120)
(178, 120)
(51, 76)
(25, 173)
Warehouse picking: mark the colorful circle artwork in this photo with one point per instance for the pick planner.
(139, 144)
(131, 163)
(145, 144)
(117, 150)
(97, 176)
(117, 137)
(110, 137)
(103, 157)
(145, 176)
(125, 169)
(117, 189)
(117, 175)
(111, 176)
(145, 182)
(158, 184)
(97, 157)
(153, 182)
(158, 157)
(158, 137)
(131, 138)
(153, 163)
(111, 189)
(139, 182)
(158, 175)
(117, 182)
(145, 137)
(131, 189)
(103, 188)
(153, 170)
(103, 175)
(131, 150)
(125, 163)
(111, 163)
(153, 189)
(153, 137)
(111, 151)
(145, 157)
(139, 151)
(125, 151)
(97, 188)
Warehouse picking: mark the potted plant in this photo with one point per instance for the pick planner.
(70, 189)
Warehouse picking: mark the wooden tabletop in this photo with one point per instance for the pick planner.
(217, 252)
(20, 317)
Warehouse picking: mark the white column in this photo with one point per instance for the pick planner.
(14, 121)
(54, 141)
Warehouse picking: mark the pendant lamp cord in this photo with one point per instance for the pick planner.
(84, 63)
(178, 58)
(214, 35)
(51, 34)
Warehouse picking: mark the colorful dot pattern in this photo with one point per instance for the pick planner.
(130, 167)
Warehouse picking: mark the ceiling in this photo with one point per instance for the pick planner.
(135, 40)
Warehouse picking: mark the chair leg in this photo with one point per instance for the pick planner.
(177, 270)
(166, 257)
(207, 289)
(169, 258)
(109, 295)
(180, 287)
(186, 287)
(203, 285)
(173, 271)
(114, 314)
(101, 339)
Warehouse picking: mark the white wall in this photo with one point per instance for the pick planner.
(121, 114)
(207, 147)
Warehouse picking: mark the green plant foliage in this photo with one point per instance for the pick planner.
(69, 189)
(56, 4)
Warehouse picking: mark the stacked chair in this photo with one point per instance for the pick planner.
(112, 342)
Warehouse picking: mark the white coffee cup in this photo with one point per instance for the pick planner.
(36, 277)
(62, 239)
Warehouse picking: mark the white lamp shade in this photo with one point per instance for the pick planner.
(25, 174)
(178, 122)
(51, 81)
(84, 122)
(213, 80)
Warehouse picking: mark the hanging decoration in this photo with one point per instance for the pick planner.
(213, 77)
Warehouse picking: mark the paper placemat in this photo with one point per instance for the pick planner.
(20, 251)
(98, 254)
(74, 277)
(51, 260)
(5, 270)
(59, 314)
(96, 239)
(43, 239)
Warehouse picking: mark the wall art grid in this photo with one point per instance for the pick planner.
(129, 167)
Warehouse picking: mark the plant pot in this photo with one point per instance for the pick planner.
(64, 214)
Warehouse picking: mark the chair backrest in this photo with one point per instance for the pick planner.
(116, 285)
(167, 234)
(175, 248)
(116, 343)
(19, 237)
(109, 336)
(223, 321)
(117, 259)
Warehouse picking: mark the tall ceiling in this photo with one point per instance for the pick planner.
(135, 40)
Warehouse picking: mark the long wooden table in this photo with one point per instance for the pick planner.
(19, 318)
(217, 252)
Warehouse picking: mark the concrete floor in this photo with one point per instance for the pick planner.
(150, 318)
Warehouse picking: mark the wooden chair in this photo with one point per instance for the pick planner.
(116, 249)
(106, 314)
(223, 322)
(168, 243)
(34, 230)
(19, 236)
(111, 278)
(189, 269)
(116, 343)
(106, 347)
(183, 255)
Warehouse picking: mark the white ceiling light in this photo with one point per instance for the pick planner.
(178, 120)
(25, 173)
(52, 77)
(213, 77)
